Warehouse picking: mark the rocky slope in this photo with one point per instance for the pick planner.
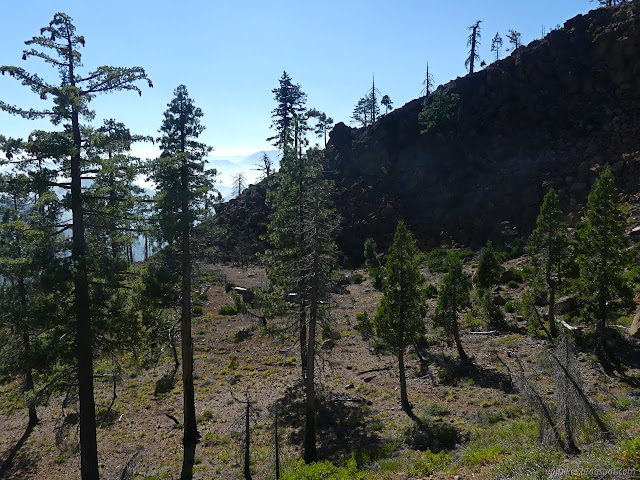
(549, 115)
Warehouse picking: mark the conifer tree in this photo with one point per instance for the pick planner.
(514, 38)
(183, 188)
(453, 298)
(31, 267)
(399, 319)
(239, 184)
(386, 103)
(265, 167)
(323, 123)
(57, 45)
(427, 82)
(496, 45)
(473, 43)
(549, 248)
(287, 117)
(602, 259)
(301, 260)
(372, 262)
(489, 268)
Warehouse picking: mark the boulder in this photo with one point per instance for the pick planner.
(566, 304)
(499, 300)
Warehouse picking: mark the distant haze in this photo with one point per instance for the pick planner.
(227, 166)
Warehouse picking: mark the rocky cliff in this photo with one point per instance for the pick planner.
(549, 115)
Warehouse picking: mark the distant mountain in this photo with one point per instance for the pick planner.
(230, 166)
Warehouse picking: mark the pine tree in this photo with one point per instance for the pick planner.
(549, 249)
(602, 259)
(183, 187)
(489, 268)
(496, 45)
(399, 319)
(265, 167)
(367, 109)
(58, 46)
(32, 268)
(301, 260)
(239, 184)
(372, 262)
(473, 43)
(453, 298)
(427, 82)
(323, 123)
(288, 116)
(386, 103)
(514, 38)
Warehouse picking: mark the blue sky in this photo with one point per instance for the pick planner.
(230, 54)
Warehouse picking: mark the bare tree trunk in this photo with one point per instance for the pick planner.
(543, 408)
(277, 443)
(84, 334)
(247, 441)
(404, 399)
(191, 436)
(553, 329)
(592, 411)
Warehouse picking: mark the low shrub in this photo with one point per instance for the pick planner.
(528, 464)
(431, 291)
(433, 435)
(228, 310)
(429, 463)
(364, 326)
(325, 470)
(357, 278)
(629, 453)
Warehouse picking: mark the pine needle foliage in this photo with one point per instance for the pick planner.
(399, 320)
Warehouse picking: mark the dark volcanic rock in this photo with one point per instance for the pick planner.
(549, 115)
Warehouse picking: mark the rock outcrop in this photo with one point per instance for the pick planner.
(549, 115)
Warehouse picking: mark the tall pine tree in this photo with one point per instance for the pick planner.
(183, 188)
(58, 46)
(602, 259)
(549, 248)
(301, 260)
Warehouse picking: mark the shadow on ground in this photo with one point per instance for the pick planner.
(344, 425)
(16, 464)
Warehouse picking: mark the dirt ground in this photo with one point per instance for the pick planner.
(236, 358)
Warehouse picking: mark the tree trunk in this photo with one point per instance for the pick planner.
(472, 55)
(28, 380)
(456, 336)
(553, 329)
(310, 454)
(190, 438)
(247, 444)
(585, 401)
(84, 334)
(26, 345)
(404, 400)
(277, 444)
(302, 320)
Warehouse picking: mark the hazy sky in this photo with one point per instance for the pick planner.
(231, 54)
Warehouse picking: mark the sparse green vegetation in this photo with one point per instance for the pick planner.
(228, 310)
(297, 335)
